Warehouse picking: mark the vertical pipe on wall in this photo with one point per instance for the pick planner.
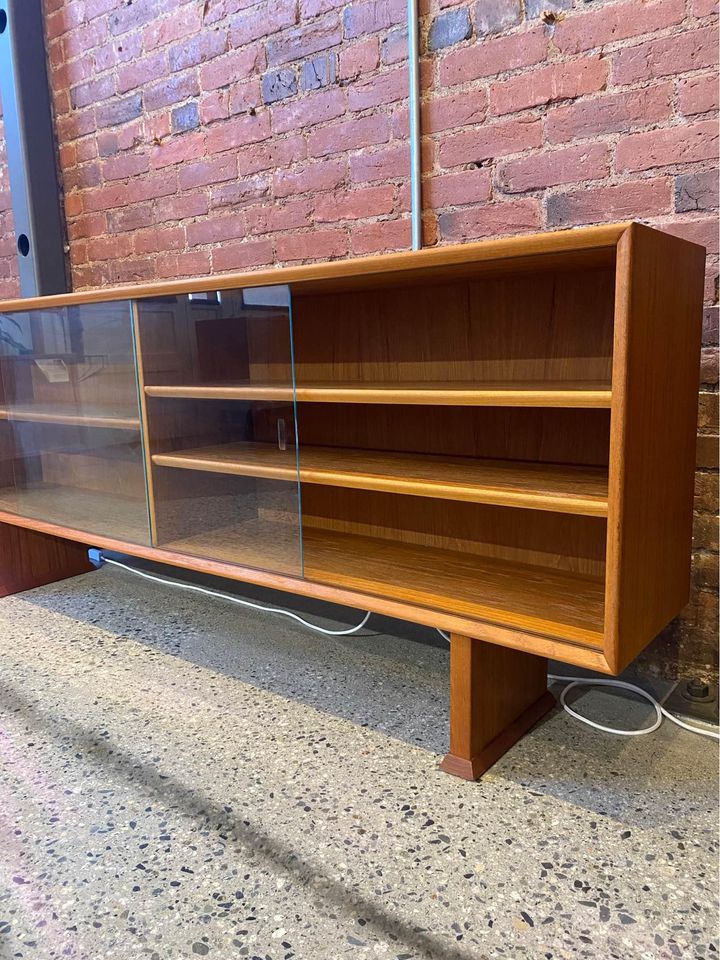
(414, 108)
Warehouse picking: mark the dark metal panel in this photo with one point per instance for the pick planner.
(31, 151)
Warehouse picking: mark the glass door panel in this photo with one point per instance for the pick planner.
(70, 426)
(217, 376)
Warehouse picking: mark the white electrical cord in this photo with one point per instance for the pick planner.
(238, 600)
(660, 710)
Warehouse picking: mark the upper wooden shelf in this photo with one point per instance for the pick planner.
(535, 486)
(489, 394)
(87, 415)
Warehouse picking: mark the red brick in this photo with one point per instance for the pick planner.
(662, 58)
(709, 366)
(687, 143)
(127, 219)
(275, 153)
(93, 225)
(240, 256)
(81, 177)
(271, 217)
(198, 49)
(349, 135)
(180, 207)
(609, 113)
(380, 236)
(73, 203)
(358, 59)
(214, 106)
(83, 38)
(305, 40)
(244, 96)
(493, 56)
(492, 220)
(261, 21)
(701, 231)
(158, 240)
(588, 162)
(395, 46)
(455, 189)
(369, 16)
(149, 187)
(86, 149)
(238, 132)
(704, 8)
(93, 91)
(124, 166)
(698, 94)
(216, 229)
(313, 177)
(130, 271)
(381, 88)
(611, 22)
(355, 204)
(309, 110)
(311, 245)
(184, 21)
(316, 8)
(622, 201)
(559, 81)
(388, 163)
(193, 263)
(457, 110)
(235, 193)
(170, 90)
(128, 16)
(178, 150)
(131, 76)
(234, 66)
(490, 140)
(110, 248)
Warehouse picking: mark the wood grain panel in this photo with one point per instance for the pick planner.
(557, 488)
(31, 559)
(652, 452)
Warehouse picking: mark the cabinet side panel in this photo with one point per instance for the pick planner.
(652, 438)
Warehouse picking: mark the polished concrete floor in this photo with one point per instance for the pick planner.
(181, 778)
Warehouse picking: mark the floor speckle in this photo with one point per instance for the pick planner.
(182, 778)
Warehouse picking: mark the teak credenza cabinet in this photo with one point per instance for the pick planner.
(496, 439)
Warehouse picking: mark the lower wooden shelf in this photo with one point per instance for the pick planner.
(537, 486)
(530, 598)
(79, 414)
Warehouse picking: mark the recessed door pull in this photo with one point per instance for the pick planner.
(282, 440)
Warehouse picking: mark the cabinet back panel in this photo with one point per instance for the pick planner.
(540, 326)
(563, 542)
(544, 435)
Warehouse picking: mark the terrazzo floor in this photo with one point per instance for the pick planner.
(182, 778)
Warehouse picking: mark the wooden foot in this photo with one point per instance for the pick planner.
(496, 696)
(30, 559)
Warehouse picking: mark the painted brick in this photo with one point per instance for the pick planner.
(662, 58)
(494, 16)
(318, 72)
(279, 85)
(449, 28)
(622, 201)
(317, 175)
(536, 8)
(490, 220)
(395, 46)
(562, 81)
(349, 135)
(490, 140)
(609, 113)
(493, 56)
(615, 21)
(388, 87)
(688, 143)
(309, 110)
(698, 94)
(186, 117)
(696, 191)
(588, 162)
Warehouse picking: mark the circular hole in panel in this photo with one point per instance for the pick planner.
(3, 21)
(23, 245)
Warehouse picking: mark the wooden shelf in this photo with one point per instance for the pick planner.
(536, 486)
(489, 394)
(530, 598)
(87, 415)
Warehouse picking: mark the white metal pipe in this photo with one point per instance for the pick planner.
(414, 108)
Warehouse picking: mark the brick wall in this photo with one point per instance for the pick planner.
(202, 136)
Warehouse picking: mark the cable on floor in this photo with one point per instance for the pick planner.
(243, 603)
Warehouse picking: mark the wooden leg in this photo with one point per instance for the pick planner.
(30, 559)
(496, 696)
